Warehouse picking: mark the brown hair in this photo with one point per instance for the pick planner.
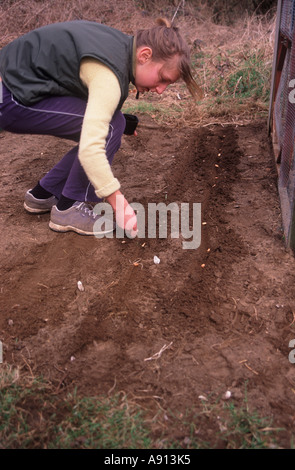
(166, 42)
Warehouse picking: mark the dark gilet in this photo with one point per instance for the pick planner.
(46, 61)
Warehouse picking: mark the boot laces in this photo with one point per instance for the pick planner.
(87, 209)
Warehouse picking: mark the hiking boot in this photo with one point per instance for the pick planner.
(38, 206)
(80, 218)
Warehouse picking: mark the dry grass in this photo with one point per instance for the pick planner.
(223, 56)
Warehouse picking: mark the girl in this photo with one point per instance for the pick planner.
(70, 80)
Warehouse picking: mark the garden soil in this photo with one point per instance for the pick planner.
(170, 336)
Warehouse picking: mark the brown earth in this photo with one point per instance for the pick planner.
(223, 313)
(220, 317)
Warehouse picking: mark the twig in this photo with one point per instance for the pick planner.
(250, 368)
(159, 354)
(222, 124)
(181, 2)
(28, 366)
(293, 313)
(113, 387)
(60, 382)
(237, 84)
(111, 284)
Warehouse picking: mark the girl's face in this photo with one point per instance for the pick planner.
(154, 76)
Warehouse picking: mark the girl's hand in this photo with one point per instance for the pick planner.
(125, 215)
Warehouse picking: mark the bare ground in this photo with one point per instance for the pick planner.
(224, 313)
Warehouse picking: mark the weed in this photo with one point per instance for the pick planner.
(105, 423)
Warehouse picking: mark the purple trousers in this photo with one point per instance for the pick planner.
(59, 116)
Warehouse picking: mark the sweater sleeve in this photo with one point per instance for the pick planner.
(103, 97)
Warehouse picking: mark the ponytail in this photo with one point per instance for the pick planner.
(163, 22)
(166, 42)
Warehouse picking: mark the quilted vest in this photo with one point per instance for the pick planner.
(46, 60)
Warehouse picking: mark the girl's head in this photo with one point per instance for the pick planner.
(162, 58)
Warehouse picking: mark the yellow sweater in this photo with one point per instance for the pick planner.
(104, 96)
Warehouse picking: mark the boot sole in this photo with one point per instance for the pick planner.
(69, 228)
(33, 210)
